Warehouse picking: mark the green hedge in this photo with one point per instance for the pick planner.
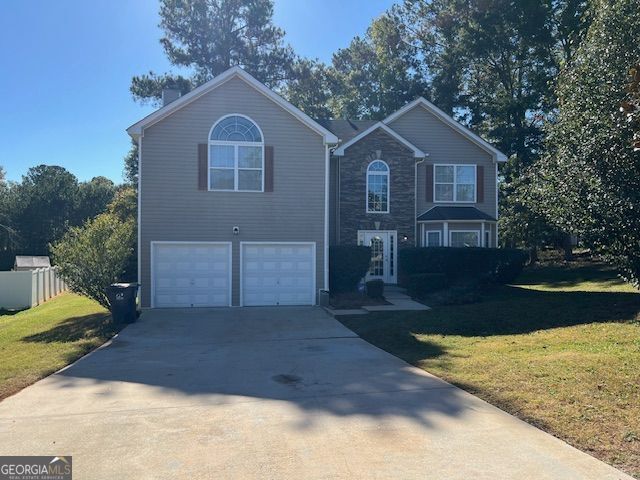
(501, 265)
(420, 284)
(348, 264)
(375, 288)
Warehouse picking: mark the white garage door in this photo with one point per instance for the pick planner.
(191, 274)
(278, 274)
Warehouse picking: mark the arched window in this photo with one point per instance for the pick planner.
(236, 155)
(378, 187)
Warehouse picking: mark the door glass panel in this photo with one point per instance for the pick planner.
(377, 257)
(391, 266)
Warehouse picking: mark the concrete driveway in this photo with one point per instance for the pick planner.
(270, 393)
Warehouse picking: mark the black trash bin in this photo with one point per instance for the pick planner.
(122, 297)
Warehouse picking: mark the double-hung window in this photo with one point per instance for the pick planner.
(236, 155)
(378, 187)
(455, 183)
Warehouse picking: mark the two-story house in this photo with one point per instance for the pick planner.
(240, 194)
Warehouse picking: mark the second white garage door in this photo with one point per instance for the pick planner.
(278, 274)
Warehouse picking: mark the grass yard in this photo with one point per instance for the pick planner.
(559, 349)
(36, 342)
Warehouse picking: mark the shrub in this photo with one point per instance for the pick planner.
(375, 288)
(457, 295)
(93, 256)
(420, 284)
(500, 264)
(508, 270)
(347, 265)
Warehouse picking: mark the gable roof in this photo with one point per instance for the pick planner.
(136, 129)
(448, 120)
(442, 213)
(417, 153)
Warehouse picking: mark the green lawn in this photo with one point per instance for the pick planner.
(559, 349)
(36, 342)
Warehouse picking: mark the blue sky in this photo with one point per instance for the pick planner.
(68, 64)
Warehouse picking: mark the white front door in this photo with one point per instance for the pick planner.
(278, 273)
(384, 254)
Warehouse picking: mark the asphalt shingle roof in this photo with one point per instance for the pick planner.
(346, 129)
(442, 213)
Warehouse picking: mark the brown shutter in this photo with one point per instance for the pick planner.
(268, 168)
(429, 183)
(203, 183)
(479, 184)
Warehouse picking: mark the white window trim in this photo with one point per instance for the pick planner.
(477, 232)
(455, 190)
(388, 175)
(235, 167)
(426, 237)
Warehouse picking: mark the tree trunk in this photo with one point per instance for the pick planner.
(567, 247)
(533, 255)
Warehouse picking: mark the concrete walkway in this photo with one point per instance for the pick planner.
(275, 393)
(399, 301)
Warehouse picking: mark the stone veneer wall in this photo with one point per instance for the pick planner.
(353, 214)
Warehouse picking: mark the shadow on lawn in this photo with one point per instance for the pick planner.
(76, 328)
(509, 311)
(563, 276)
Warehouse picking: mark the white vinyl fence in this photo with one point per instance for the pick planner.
(29, 288)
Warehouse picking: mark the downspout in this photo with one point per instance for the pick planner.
(415, 203)
(139, 217)
(326, 216)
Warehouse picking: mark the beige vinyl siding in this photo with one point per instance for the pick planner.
(174, 209)
(444, 145)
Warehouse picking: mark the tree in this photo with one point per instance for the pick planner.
(589, 180)
(309, 88)
(43, 206)
(130, 173)
(492, 63)
(434, 28)
(209, 36)
(125, 207)
(375, 75)
(93, 256)
(93, 198)
(8, 234)
(631, 108)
